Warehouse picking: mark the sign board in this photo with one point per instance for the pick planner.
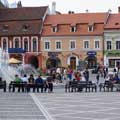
(91, 53)
(53, 53)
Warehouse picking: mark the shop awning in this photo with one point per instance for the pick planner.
(14, 61)
(16, 50)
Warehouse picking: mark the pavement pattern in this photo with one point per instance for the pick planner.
(60, 106)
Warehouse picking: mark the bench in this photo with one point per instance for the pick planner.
(24, 86)
(3, 85)
(106, 86)
(78, 86)
(20, 85)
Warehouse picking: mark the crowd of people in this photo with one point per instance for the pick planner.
(59, 75)
(31, 81)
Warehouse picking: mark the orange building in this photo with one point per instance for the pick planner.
(68, 39)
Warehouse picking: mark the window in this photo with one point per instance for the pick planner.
(58, 45)
(26, 44)
(109, 45)
(90, 28)
(117, 45)
(73, 29)
(97, 45)
(54, 29)
(4, 44)
(47, 45)
(86, 44)
(5, 27)
(72, 45)
(16, 43)
(25, 27)
(34, 44)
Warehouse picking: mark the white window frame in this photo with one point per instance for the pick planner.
(70, 44)
(32, 43)
(2, 38)
(19, 39)
(74, 27)
(92, 28)
(111, 44)
(88, 44)
(49, 45)
(115, 44)
(99, 44)
(56, 45)
(23, 39)
(54, 28)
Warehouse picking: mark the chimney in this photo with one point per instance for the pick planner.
(53, 8)
(118, 9)
(109, 11)
(19, 4)
(87, 11)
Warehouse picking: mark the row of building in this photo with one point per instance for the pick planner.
(34, 36)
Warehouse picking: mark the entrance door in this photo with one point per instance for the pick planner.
(33, 60)
(73, 62)
(117, 63)
(91, 62)
(53, 63)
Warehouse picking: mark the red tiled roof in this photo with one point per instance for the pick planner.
(17, 28)
(76, 18)
(81, 20)
(113, 22)
(23, 13)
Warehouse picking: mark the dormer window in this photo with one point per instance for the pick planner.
(54, 29)
(73, 29)
(25, 27)
(5, 27)
(90, 27)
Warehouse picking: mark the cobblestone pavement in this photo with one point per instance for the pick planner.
(60, 105)
(82, 106)
(19, 106)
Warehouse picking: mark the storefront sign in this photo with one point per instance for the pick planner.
(53, 53)
(91, 53)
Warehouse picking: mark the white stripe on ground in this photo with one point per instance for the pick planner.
(41, 107)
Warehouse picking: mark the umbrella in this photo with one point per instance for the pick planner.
(14, 61)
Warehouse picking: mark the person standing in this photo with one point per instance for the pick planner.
(97, 78)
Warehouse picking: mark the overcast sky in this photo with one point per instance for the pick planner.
(76, 5)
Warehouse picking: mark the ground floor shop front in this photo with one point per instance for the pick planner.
(88, 59)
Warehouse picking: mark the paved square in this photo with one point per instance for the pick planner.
(60, 106)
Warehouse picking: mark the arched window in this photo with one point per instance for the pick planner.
(4, 44)
(26, 44)
(17, 43)
(34, 45)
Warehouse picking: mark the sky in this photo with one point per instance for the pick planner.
(77, 6)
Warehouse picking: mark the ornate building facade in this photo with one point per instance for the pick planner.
(20, 33)
(68, 39)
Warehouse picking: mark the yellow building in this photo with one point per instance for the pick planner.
(68, 39)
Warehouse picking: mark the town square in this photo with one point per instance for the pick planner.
(58, 65)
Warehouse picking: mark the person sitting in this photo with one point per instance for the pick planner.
(24, 80)
(17, 81)
(49, 84)
(39, 83)
(31, 83)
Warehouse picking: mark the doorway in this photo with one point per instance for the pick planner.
(117, 63)
(33, 60)
(73, 63)
(53, 63)
(91, 61)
